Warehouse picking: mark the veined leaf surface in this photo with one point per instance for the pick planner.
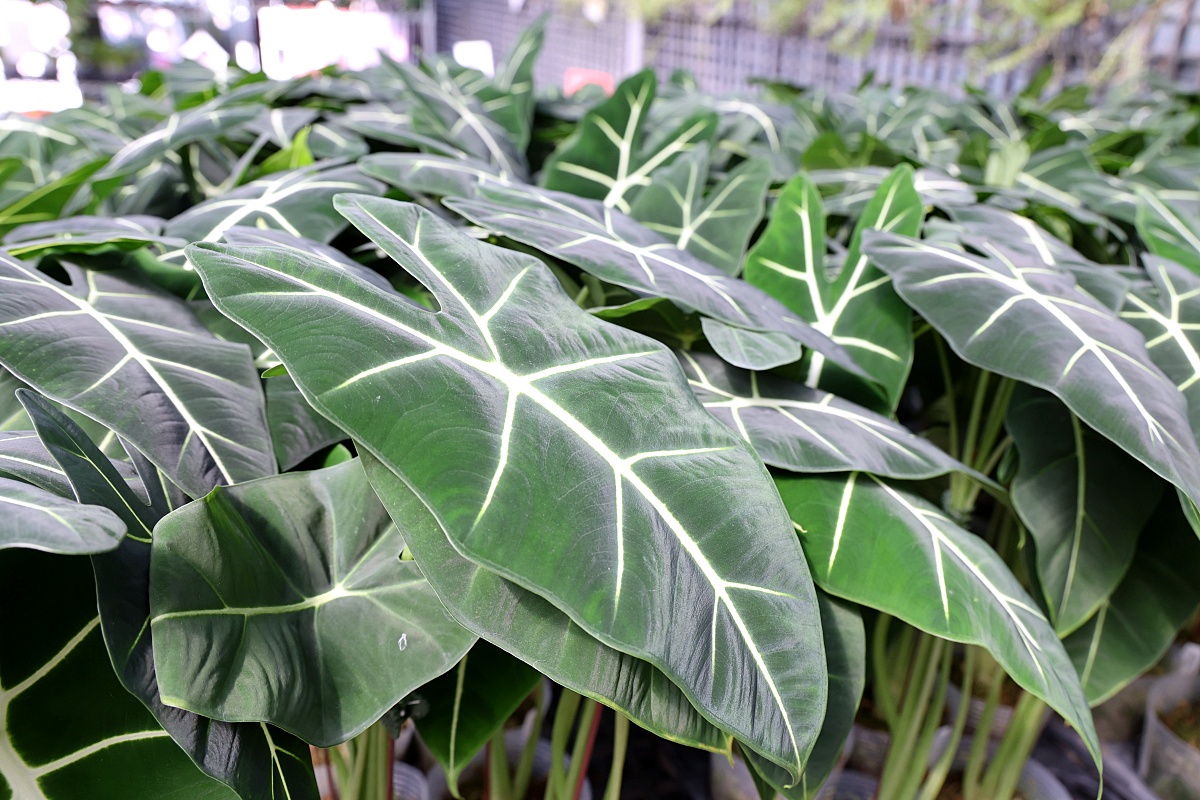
(845, 647)
(438, 176)
(802, 429)
(715, 226)
(493, 405)
(1082, 499)
(1167, 231)
(271, 598)
(40, 520)
(136, 359)
(856, 307)
(885, 548)
(298, 202)
(23, 458)
(1136, 624)
(606, 157)
(1169, 318)
(617, 249)
(529, 627)
(1029, 322)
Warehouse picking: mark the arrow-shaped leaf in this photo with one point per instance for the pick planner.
(1082, 499)
(271, 598)
(617, 249)
(486, 388)
(856, 306)
(795, 427)
(606, 158)
(1029, 322)
(137, 360)
(715, 225)
(885, 548)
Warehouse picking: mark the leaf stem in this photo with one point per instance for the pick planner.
(940, 769)
(620, 742)
(564, 717)
(585, 739)
(525, 766)
(951, 401)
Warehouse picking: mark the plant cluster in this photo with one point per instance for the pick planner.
(335, 400)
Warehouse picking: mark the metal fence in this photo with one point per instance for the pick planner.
(725, 55)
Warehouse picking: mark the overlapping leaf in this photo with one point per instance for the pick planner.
(1029, 322)
(888, 549)
(856, 306)
(1082, 499)
(607, 156)
(715, 226)
(795, 427)
(284, 600)
(501, 406)
(40, 520)
(136, 359)
(257, 761)
(617, 249)
(1167, 312)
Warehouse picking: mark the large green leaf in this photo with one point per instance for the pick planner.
(529, 627)
(40, 520)
(512, 103)
(67, 727)
(794, 427)
(617, 249)
(1167, 312)
(715, 226)
(439, 176)
(23, 458)
(1029, 321)
(87, 235)
(136, 359)
(470, 703)
(1082, 499)
(607, 158)
(888, 549)
(497, 400)
(284, 600)
(253, 759)
(845, 649)
(855, 306)
(48, 200)
(1138, 622)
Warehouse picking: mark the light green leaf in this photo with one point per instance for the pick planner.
(856, 307)
(494, 388)
(885, 548)
(715, 226)
(135, 358)
(1082, 499)
(1027, 321)
(1136, 624)
(67, 727)
(87, 235)
(795, 427)
(606, 157)
(617, 249)
(530, 628)
(439, 176)
(273, 597)
(1166, 231)
(206, 122)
